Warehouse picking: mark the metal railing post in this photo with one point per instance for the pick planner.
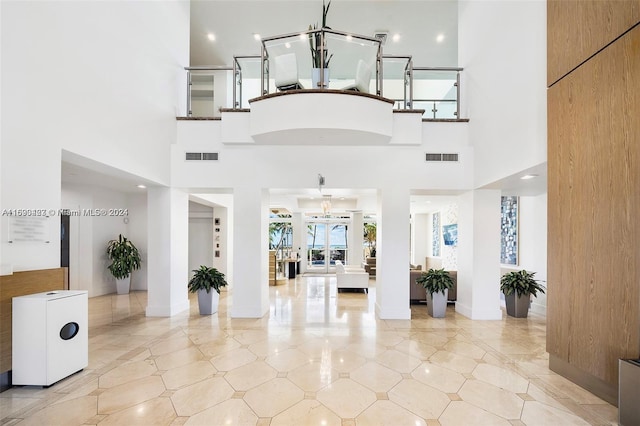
(410, 84)
(458, 95)
(235, 83)
(188, 93)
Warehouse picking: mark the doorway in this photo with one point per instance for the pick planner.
(326, 243)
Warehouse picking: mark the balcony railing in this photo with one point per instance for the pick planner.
(341, 58)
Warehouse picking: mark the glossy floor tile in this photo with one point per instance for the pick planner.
(318, 358)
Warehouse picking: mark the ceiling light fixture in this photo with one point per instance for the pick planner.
(326, 205)
(211, 36)
(141, 186)
(440, 38)
(257, 37)
(396, 38)
(525, 177)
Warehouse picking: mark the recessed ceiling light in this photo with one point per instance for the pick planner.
(287, 45)
(257, 37)
(211, 36)
(349, 37)
(525, 177)
(440, 38)
(395, 38)
(141, 186)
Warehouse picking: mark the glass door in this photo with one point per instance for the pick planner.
(326, 243)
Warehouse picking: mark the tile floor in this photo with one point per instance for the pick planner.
(318, 358)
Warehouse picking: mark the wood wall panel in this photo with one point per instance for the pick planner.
(578, 29)
(593, 303)
(20, 284)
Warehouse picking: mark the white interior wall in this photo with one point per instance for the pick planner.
(505, 100)
(422, 227)
(89, 236)
(111, 95)
(532, 251)
(201, 244)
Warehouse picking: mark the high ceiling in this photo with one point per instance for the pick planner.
(234, 24)
(418, 25)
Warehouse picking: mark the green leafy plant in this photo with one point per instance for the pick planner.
(520, 282)
(207, 278)
(370, 233)
(435, 281)
(315, 40)
(124, 257)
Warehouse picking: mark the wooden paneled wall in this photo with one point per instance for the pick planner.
(20, 284)
(593, 304)
(577, 29)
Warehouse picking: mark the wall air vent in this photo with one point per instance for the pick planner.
(197, 156)
(441, 157)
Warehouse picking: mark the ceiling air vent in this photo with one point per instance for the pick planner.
(441, 157)
(197, 156)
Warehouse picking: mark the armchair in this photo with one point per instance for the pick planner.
(351, 278)
(286, 72)
(363, 78)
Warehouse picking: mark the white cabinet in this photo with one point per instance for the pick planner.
(50, 339)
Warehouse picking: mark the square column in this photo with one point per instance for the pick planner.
(168, 252)
(392, 275)
(250, 252)
(355, 238)
(479, 255)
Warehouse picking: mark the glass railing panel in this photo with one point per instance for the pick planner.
(287, 62)
(436, 92)
(396, 81)
(351, 61)
(208, 91)
(247, 80)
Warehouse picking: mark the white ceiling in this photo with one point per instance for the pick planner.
(234, 23)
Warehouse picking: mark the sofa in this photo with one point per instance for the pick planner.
(417, 293)
(370, 266)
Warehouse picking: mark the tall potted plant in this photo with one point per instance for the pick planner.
(518, 286)
(318, 50)
(437, 283)
(125, 258)
(207, 282)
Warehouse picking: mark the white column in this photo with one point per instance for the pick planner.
(168, 251)
(479, 255)
(355, 239)
(250, 253)
(299, 239)
(392, 274)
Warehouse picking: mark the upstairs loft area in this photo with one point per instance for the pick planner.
(328, 60)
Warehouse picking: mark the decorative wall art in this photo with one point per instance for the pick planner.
(509, 230)
(435, 246)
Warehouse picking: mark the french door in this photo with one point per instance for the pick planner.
(326, 243)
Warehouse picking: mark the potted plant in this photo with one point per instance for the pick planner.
(318, 50)
(437, 283)
(518, 286)
(125, 258)
(207, 282)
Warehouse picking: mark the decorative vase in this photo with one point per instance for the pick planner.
(122, 286)
(437, 304)
(315, 78)
(517, 306)
(208, 302)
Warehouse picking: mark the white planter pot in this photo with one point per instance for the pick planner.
(122, 286)
(315, 78)
(208, 302)
(437, 304)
